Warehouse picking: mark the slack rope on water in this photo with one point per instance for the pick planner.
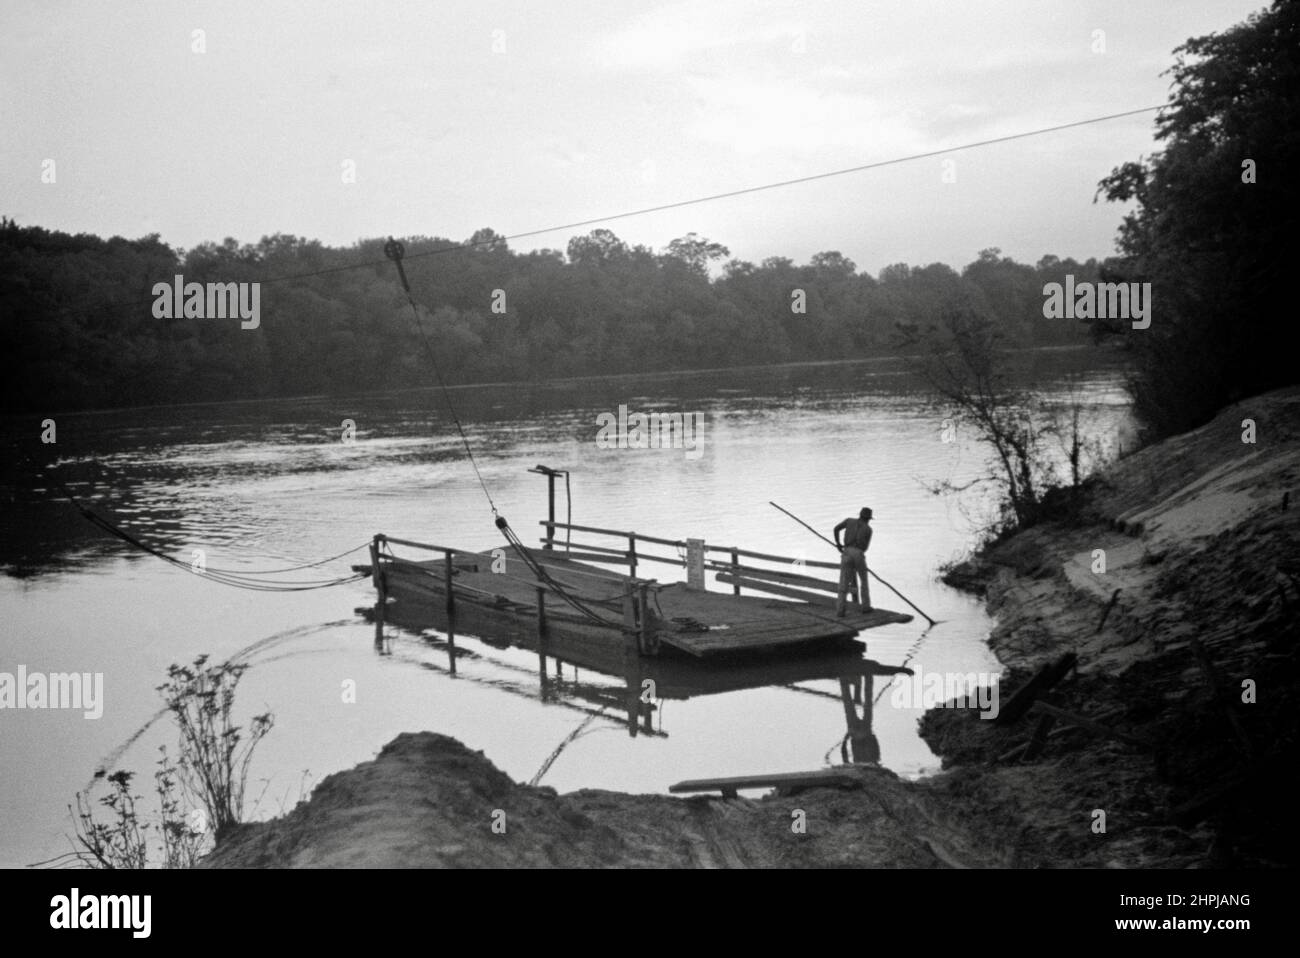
(249, 580)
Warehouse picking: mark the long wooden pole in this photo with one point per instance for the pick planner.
(869, 569)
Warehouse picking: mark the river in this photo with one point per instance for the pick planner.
(257, 485)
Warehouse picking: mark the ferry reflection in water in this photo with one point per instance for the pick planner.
(645, 683)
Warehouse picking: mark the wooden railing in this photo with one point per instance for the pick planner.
(636, 621)
(790, 581)
(629, 556)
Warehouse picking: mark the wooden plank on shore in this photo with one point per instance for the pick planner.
(1075, 719)
(1039, 739)
(1043, 681)
(824, 777)
(1218, 696)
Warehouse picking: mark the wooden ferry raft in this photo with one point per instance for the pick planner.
(497, 594)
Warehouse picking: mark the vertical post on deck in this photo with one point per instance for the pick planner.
(381, 592)
(735, 570)
(633, 707)
(644, 637)
(629, 614)
(695, 564)
(632, 672)
(550, 511)
(631, 554)
(447, 573)
(451, 610)
(541, 634)
(374, 562)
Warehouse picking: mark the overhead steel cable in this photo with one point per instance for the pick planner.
(763, 187)
(678, 204)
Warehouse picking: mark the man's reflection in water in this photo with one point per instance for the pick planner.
(859, 746)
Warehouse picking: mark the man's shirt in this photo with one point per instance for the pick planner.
(857, 533)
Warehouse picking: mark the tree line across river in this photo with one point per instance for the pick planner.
(79, 327)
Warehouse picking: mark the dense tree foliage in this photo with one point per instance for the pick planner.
(77, 323)
(1213, 229)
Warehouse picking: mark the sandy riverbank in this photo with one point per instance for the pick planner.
(1199, 547)
(1198, 544)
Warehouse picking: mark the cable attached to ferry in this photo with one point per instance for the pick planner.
(394, 250)
(545, 577)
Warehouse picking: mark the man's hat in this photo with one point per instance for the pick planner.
(865, 513)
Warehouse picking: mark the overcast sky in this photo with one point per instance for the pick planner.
(519, 116)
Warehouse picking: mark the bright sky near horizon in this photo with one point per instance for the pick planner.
(458, 115)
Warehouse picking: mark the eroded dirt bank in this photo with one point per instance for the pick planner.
(1201, 547)
(428, 801)
(1196, 541)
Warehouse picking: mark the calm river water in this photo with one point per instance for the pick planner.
(269, 484)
